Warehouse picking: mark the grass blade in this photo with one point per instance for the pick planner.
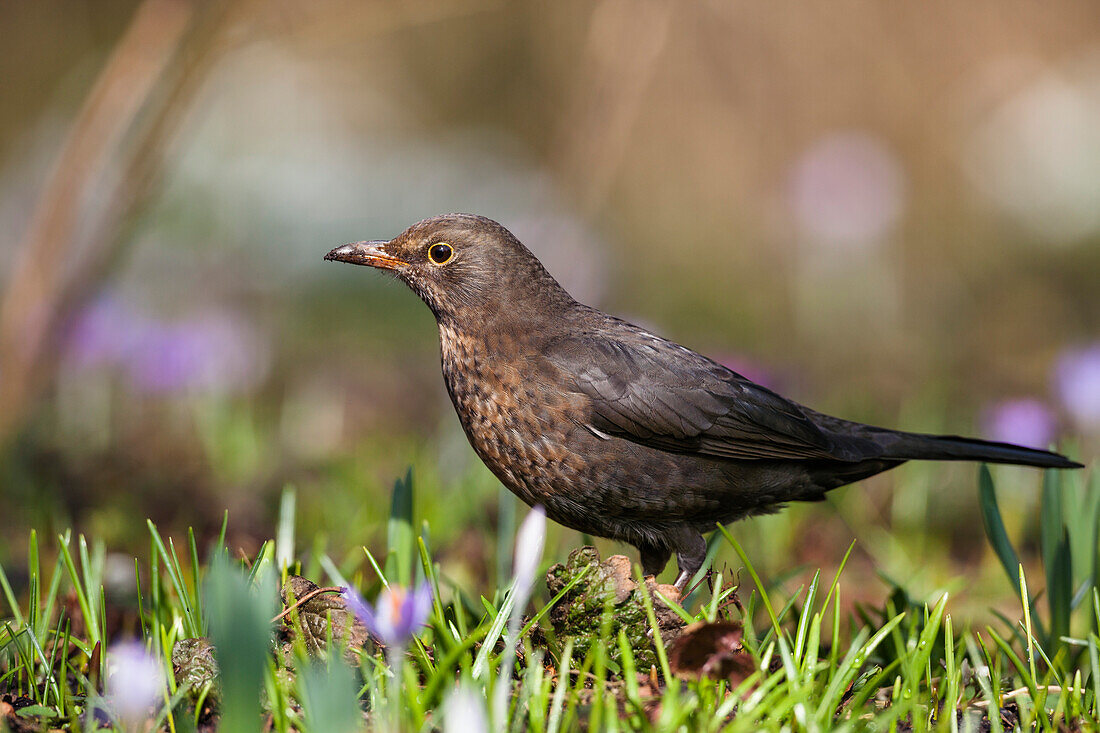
(994, 526)
(400, 536)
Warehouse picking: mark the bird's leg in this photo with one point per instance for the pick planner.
(654, 558)
(691, 551)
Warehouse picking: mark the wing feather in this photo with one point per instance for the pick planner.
(657, 393)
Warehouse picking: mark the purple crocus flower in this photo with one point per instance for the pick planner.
(1021, 421)
(396, 615)
(103, 333)
(1077, 382)
(214, 352)
(135, 682)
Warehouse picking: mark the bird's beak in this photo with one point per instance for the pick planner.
(371, 253)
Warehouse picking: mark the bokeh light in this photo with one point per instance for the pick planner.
(1077, 381)
(1024, 421)
(847, 191)
(1035, 153)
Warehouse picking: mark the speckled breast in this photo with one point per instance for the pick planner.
(520, 430)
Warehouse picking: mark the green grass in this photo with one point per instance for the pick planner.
(807, 660)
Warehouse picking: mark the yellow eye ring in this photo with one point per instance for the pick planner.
(440, 253)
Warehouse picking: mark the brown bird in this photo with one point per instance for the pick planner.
(618, 432)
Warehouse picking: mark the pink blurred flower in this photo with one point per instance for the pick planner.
(1026, 422)
(1077, 382)
(748, 369)
(847, 190)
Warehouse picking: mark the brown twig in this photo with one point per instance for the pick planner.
(1050, 689)
(112, 156)
(625, 44)
(114, 150)
(308, 596)
(111, 107)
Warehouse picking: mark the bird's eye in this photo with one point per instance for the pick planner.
(441, 253)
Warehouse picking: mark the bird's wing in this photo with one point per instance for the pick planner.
(660, 394)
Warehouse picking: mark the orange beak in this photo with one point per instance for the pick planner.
(366, 253)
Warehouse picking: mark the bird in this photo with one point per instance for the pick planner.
(615, 431)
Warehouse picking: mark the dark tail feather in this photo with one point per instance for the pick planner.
(955, 448)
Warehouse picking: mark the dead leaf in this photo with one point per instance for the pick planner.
(323, 616)
(711, 650)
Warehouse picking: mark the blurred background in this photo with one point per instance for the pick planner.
(889, 212)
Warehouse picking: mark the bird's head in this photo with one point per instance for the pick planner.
(463, 266)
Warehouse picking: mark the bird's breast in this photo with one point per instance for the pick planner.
(517, 422)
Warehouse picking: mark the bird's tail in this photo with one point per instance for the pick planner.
(954, 448)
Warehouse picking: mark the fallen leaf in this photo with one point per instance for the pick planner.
(711, 650)
(324, 616)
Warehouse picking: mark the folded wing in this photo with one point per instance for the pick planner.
(662, 395)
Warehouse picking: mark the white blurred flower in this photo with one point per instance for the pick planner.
(464, 712)
(1036, 154)
(135, 682)
(529, 543)
(847, 191)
